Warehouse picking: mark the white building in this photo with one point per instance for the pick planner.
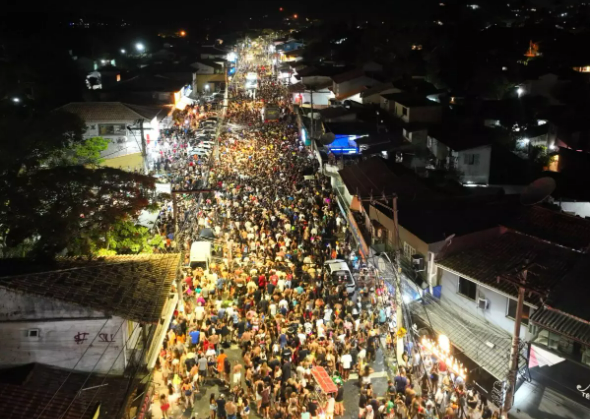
(121, 124)
(105, 315)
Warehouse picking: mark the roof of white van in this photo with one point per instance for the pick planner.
(337, 265)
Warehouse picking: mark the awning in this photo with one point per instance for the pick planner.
(468, 334)
(563, 324)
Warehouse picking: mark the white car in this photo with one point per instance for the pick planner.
(340, 274)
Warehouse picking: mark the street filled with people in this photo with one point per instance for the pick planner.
(266, 326)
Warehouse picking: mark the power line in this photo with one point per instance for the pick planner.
(88, 377)
(71, 371)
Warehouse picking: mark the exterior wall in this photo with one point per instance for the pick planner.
(581, 209)
(497, 303)
(319, 98)
(416, 137)
(21, 307)
(439, 150)
(128, 141)
(479, 172)
(430, 114)
(214, 80)
(203, 68)
(63, 343)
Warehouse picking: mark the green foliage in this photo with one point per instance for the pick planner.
(46, 208)
(127, 237)
(84, 153)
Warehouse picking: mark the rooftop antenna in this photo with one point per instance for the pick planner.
(538, 191)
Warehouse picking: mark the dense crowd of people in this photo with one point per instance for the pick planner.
(267, 292)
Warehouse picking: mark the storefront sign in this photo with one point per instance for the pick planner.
(584, 391)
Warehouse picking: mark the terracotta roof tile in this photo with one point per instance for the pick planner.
(484, 264)
(111, 111)
(134, 287)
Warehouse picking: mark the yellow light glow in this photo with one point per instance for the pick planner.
(182, 33)
(295, 16)
(444, 343)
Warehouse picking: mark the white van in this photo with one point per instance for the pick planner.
(340, 273)
(200, 255)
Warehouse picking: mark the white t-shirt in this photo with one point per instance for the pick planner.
(273, 309)
(346, 361)
(330, 405)
(200, 312)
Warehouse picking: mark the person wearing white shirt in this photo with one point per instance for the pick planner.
(273, 309)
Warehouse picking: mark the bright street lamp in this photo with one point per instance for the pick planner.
(15, 99)
(122, 51)
(139, 46)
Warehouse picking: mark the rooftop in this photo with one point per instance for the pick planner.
(499, 257)
(111, 111)
(409, 99)
(134, 287)
(572, 296)
(349, 75)
(36, 391)
(376, 89)
(375, 177)
(556, 227)
(415, 85)
(563, 324)
(149, 83)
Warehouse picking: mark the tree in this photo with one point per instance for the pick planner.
(51, 206)
(124, 237)
(85, 153)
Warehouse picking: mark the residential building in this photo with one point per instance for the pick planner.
(122, 125)
(107, 315)
(208, 67)
(473, 153)
(148, 89)
(213, 52)
(302, 93)
(411, 107)
(478, 299)
(350, 83)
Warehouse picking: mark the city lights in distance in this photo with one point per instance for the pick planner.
(182, 33)
(280, 9)
(295, 16)
(122, 51)
(139, 46)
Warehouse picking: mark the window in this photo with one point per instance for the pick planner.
(32, 334)
(92, 127)
(408, 250)
(554, 341)
(471, 159)
(586, 356)
(512, 311)
(111, 129)
(404, 111)
(467, 288)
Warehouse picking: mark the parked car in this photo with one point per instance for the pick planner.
(340, 274)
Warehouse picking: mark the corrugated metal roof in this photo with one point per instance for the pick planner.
(563, 324)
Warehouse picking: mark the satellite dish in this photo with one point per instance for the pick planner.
(537, 191)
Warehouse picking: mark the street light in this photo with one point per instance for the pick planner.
(139, 46)
(122, 51)
(182, 33)
(15, 99)
(519, 91)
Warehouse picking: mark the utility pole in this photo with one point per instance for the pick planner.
(519, 280)
(143, 148)
(312, 121)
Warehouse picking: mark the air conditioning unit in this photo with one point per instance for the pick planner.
(418, 263)
(482, 303)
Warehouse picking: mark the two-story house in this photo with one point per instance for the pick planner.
(121, 124)
(478, 299)
(411, 107)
